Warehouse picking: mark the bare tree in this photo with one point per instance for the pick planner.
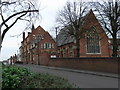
(71, 19)
(109, 16)
(13, 10)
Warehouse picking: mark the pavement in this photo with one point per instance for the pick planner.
(112, 75)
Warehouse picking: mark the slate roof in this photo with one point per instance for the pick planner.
(63, 39)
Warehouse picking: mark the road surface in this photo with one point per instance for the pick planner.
(81, 80)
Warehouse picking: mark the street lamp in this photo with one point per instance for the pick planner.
(37, 41)
(32, 48)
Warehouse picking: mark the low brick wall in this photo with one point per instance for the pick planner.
(99, 64)
(109, 65)
(44, 59)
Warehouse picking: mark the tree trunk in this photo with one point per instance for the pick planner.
(0, 40)
(78, 47)
(114, 54)
(0, 44)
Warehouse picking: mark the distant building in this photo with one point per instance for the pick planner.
(12, 59)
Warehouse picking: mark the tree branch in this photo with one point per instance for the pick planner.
(18, 13)
(25, 19)
(104, 21)
(4, 32)
(3, 20)
(6, 3)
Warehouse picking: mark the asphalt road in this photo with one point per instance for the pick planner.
(79, 79)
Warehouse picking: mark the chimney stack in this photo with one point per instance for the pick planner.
(33, 27)
(29, 33)
(23, 36)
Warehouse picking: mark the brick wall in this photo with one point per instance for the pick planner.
(44, 58)
(100, 64)
(93, 64)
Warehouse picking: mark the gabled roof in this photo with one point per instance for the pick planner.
(63, 39)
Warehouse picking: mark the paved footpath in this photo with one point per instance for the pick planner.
(82, 79)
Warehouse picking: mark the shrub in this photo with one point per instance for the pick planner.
(17, 77)
(44, 80)
(12, 76)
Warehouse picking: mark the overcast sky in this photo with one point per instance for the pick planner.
(49, 9)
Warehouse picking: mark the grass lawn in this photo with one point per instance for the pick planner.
(17, 77)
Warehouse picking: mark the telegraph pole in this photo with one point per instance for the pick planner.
(38, 52)
(56, 29)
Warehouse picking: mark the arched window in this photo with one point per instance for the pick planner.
(93, 45)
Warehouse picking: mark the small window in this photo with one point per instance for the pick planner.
(47, 45)
(52, 45)
(42, 45)
(64, 52)
(70, 51)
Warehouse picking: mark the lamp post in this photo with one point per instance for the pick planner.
(31, 55)
(38, 39)
(38, 48)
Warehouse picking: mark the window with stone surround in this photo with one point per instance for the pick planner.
(47, 45)
(70, 50)
(64, 52)
(93, 41)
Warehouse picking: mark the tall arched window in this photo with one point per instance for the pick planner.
(93, 45)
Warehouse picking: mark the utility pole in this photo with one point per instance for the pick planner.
(38, 51)
(0, 39)
(0, 29)
(39, 38)
(56, 29)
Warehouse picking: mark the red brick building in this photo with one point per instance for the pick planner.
(37, 42)
(12, 59)
(93, 44)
